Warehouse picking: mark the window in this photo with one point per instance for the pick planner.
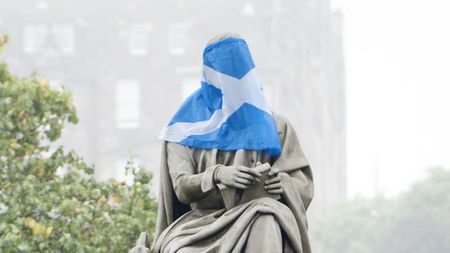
(139, 38)
(127, 104)
(41, 5)
(63, 36)
(248, 10)
(177, 38)
(34, 38)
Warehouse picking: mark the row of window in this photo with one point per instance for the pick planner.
(62, 36)
(35, 37)
(128, 99)
(127, 104)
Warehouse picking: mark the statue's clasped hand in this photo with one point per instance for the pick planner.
(274, 183)
(240, 177)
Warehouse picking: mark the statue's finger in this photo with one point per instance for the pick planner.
(240, 186)
(276, 191)
(249, 171)
(244, 181)
(273, 186)
(272, 180)
(246, 176)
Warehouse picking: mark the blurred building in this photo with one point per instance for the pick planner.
(131, 63)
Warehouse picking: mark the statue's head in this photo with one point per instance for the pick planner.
(223, 36)
(229, 104)
(228, 53)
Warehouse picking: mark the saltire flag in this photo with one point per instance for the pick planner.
(229, 110)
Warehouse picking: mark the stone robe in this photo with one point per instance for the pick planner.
(191, 212)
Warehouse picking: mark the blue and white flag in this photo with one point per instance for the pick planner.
(229, 110)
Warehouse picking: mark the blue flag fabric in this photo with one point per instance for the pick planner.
(229, 110)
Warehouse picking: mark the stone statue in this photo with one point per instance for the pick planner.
(233, 175)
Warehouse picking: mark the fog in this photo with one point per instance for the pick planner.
(364, 83)
(396, 56)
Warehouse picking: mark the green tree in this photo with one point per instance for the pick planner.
(418, 221)
(49, 200)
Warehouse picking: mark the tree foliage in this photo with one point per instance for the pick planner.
(49, 200)
(418, 221)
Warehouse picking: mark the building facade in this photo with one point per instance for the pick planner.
(130, 64)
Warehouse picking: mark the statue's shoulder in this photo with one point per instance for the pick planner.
(173, 147)
(281, 121)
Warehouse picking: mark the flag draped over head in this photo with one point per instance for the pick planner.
(229, 110)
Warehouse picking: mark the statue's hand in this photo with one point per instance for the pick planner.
(240, 177)
(274, 184)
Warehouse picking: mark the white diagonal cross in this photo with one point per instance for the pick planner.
(235, 92)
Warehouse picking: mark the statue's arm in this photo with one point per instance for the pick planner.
(296, 175)
(188, 185)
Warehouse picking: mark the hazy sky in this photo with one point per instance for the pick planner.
(398, 89)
